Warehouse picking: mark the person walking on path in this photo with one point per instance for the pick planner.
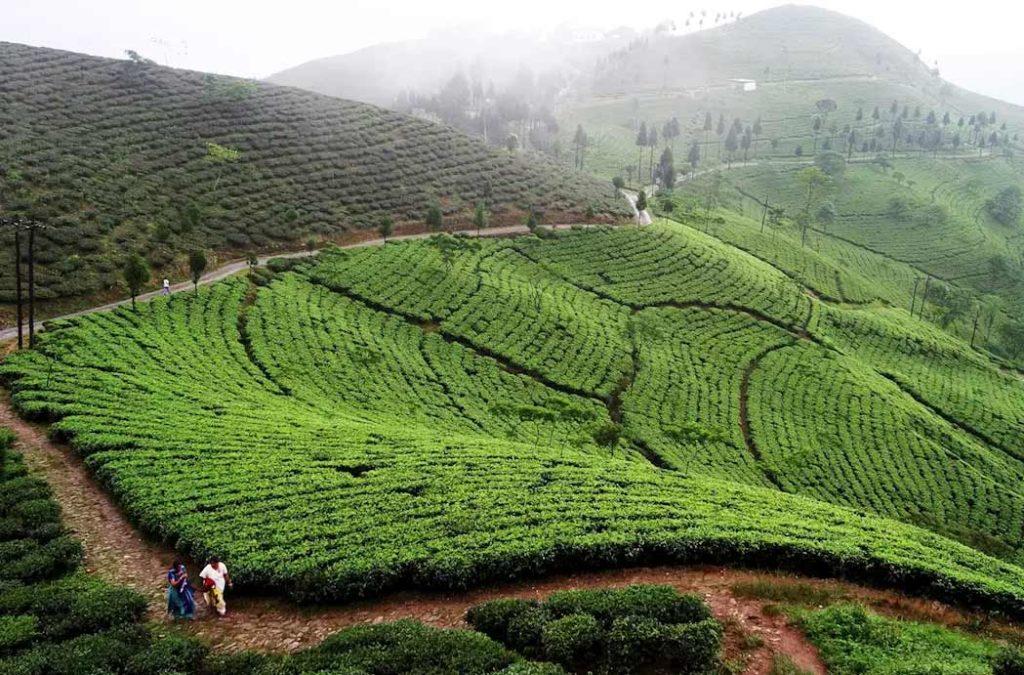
(215, 578)
(167, 286)
(181, 603)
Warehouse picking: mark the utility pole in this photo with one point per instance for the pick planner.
(32, 283)
(913, 298)
(16, 225)
(764, 214)
(974, 330)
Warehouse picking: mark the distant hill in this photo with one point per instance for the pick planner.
(784, 43)
(117, 156)
(379, 73)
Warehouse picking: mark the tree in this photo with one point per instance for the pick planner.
(512, 143)
(532, 220)
(814, 181)
(138, 59)
(641, 143)
(711, 192)
(385, 227)
(196, 266)
(1012, 336)
(897, 131)
(652, 142)
(1006, 206)
(253, 261)
(136, 274)
(731, 144)
(579, 141)
(746, 141)
(618, 183)
(832, 164)
(707, 132)
(480, 217)
(670, 131)
(694, 157)
(826, 106)
(667, 169)
(816, 128)
(719, 130)
(434, 218)
(219, 156)
(826, 214)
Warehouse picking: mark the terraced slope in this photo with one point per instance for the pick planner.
(116, 156)
(445, 412)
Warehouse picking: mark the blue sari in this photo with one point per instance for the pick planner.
(181, 603)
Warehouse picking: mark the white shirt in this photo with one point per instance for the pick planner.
(167, 283)
(216, 573)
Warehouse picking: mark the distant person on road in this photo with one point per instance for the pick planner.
(181, 603)
(167, 286)
(215, 578)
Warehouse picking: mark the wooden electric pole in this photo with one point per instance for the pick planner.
(32, 225)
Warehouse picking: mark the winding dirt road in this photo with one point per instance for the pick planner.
(236, 266)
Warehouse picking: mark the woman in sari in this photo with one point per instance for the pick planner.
(181, 602)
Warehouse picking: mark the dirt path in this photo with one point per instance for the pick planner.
(234, 267)
(116, 552)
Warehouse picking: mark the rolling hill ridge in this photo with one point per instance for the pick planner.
(116, 156)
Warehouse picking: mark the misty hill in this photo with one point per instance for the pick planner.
(784, 43)
(380, 73)
(117, 156)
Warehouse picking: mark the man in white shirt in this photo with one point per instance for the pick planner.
(215, 578)
(167, 286)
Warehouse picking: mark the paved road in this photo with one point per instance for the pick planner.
(236, 266)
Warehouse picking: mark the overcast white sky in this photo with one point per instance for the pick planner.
(977, 45)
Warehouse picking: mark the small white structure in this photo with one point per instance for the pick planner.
(742, 84)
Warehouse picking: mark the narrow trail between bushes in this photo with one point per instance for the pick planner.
(117, 553)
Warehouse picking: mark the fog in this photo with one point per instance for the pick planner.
(975, 47)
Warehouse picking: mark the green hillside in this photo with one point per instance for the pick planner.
(899, 231)
(115, 156)
(797, 56)
(783, 43)
(446, 412)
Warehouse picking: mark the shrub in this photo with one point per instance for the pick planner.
(403, 647)
(634, 642)
(1009, 661)
(692, 647)
(572, 639)
(1006, 206)
(99, 653)
(532, 668)
(661, 603)
(15, 631)
(171, 654)
(493, 618)
(525, 631)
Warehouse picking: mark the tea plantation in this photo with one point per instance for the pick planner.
(446, 412)
(125, 155)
